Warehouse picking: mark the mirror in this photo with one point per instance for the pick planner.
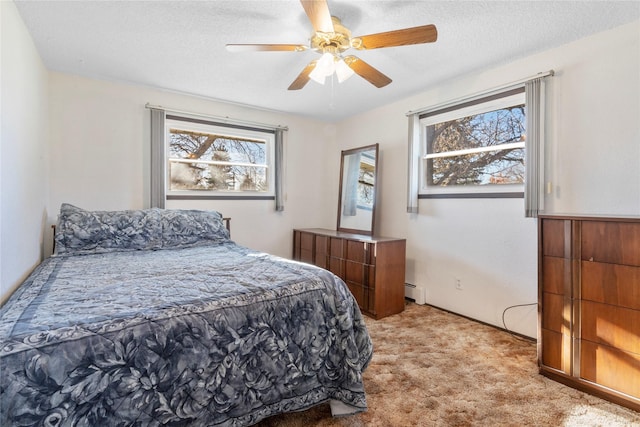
(357, 197)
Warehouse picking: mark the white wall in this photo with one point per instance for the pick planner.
(595, 150)
(593, 162)
(23, 151)
(100, 159)
(95, 153)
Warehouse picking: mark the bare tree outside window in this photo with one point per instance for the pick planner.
(366, 185)
(205, 161)
(481, 149)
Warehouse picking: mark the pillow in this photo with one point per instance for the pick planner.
(188, 228)
(82, 232)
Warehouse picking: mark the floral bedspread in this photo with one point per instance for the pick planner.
(202, 336)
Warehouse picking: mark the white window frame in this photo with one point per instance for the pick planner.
(234, 131)
(457, 113)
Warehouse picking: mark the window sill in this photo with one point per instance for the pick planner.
(217, 197)
(479, 195)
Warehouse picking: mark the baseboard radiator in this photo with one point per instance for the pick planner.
(415, 293)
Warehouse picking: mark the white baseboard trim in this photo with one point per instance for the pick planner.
(416, 293)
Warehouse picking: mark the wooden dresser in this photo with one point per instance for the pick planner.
(589, 311)
(372, 267)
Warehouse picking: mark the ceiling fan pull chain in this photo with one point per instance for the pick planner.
(332, 105)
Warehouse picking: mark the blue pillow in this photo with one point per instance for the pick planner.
(81, 232)
(188, 228)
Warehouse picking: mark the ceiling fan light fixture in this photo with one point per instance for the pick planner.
(343, 71)
(325, 67)
(331, 39)
(317, 76)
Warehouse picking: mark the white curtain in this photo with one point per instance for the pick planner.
(158, 187)
(534, 147)
(414, 163)
(279, 164)
(351, 186)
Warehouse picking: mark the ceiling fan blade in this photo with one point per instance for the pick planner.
(367, 72)
(265, 47)
(407, 36)
(319, 15)
(303, 77)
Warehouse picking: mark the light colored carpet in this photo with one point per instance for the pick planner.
(433, 368)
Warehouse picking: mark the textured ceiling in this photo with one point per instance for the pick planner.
(180, 45)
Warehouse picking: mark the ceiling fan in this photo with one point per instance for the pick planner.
(331, 39)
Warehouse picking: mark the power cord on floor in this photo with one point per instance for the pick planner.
(513, 334)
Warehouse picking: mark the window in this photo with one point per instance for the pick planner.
(366, 186)
(366, 181)
(475, 147)
(212, 159)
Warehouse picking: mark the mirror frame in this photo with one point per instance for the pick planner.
(370, 231)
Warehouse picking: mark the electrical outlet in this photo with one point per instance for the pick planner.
(458, 284)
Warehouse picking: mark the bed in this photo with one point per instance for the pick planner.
(155, 317)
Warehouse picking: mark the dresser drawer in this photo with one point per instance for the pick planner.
(358, 292)
(552, 312)
(306, 241)
(553, 241)
(552, 344)
(610, 367)
(614, 326)
(321, 248)
(336, 266)
(354, 272)
(322, 245)
(306, 247)
(370, 276)
(611, 284)
(336, 247)
(555, 271)
(611, 242)
(357, 251)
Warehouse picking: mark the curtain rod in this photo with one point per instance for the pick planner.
(480, 94)
(222, 119)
